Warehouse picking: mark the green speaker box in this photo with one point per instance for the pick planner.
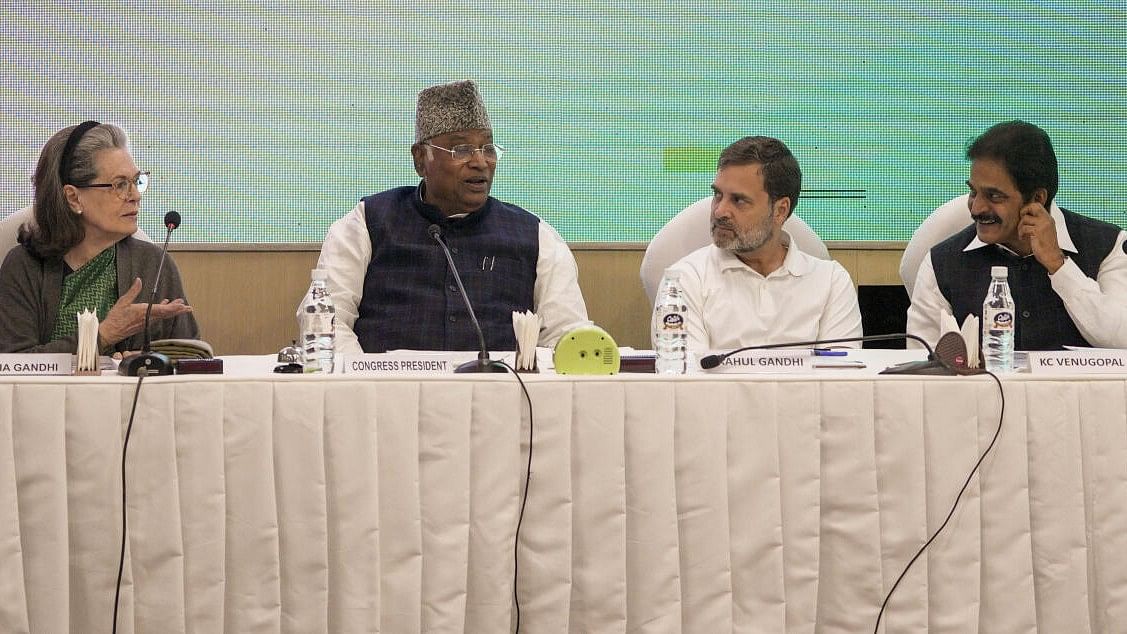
(586, 350)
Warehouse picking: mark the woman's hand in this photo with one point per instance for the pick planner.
(126, 318)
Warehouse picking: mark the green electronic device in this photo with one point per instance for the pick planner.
(586, 350)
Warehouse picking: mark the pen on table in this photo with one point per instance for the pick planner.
(826, 352)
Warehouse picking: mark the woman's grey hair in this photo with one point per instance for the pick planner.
(57, 227)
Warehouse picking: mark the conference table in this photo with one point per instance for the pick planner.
(261, 502)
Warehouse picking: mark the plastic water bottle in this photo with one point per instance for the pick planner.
(998, 322)
(670, 338)
(318, 325)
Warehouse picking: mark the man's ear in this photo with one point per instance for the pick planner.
(417, 157)
(1041, 197)
(781, 209)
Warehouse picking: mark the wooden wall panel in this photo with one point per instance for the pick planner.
(877, 267)
(615, 298)
(245, 300)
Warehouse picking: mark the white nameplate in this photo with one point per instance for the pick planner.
(772, 361)
(412, 362)
(36, 364)
(1101, 361)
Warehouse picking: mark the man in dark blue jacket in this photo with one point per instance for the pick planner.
(389, 278)
(1067, 272)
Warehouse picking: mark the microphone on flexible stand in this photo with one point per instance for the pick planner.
(947, 359)
(148, 362)
(483, 362)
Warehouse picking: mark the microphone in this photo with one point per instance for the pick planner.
(483, 363)
(950, 360)
(148, 362)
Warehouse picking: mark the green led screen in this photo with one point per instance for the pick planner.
(264, 122)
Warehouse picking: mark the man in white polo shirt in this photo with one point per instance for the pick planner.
(749, 287)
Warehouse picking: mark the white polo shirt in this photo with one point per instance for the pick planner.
(730, 305)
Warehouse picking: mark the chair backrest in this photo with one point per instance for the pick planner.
(689, 230)
(10, 228)
(947, 220)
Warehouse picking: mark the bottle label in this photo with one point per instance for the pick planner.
(673, 321)
(999, 320)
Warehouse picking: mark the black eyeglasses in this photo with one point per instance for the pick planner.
(122, 186)
(491, 152)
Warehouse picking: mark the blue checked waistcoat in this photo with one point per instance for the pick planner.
(1042, 322)
(410, 297)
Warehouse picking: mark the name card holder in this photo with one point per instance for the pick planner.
(41, 364)
(412, 362)
(766, 362)
(1093, 361)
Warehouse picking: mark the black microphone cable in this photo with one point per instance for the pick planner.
(524, 498)
(124, 449)
(171, 221)
(483, 363)
(154, 363)
(713, 360)
(951, 513)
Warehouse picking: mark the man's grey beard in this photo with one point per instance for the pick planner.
(742, 241)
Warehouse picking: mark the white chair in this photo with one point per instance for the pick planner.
(689, 230)
(947, 220)
(10, 228)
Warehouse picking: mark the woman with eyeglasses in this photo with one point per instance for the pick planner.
(79, 253)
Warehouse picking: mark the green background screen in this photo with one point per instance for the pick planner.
(264, 122)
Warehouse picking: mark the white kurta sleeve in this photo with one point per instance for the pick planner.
(927, 307)
(1098, 307)
(841, 318)
(345, 255)
(556, 296)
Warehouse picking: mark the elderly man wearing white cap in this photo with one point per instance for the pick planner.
(389, 278)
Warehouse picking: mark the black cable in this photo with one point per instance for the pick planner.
(124, 448)
(951, 513)
(524, 499)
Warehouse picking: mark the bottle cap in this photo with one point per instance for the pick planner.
(320, 274)
(999, 271)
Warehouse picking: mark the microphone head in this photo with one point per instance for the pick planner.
(172, 220)
(711, 361)
(434, 231)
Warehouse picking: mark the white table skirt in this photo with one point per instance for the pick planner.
(706, 504)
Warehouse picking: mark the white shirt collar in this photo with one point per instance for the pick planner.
(1063, 239)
